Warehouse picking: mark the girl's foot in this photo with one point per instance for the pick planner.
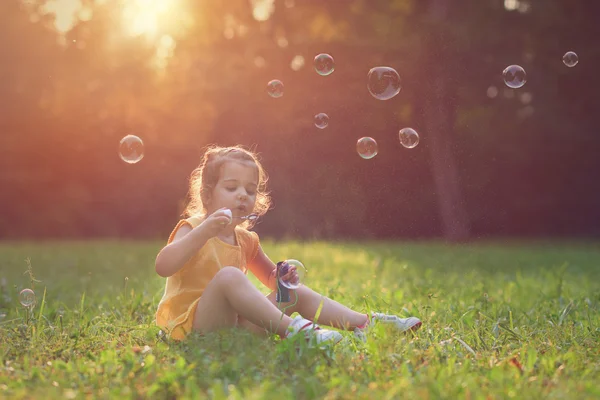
(402, 324)
(313, 333)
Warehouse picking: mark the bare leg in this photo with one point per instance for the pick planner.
(230, 294)
(249, 326)
(332, 314)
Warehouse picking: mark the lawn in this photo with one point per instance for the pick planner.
(500, 320)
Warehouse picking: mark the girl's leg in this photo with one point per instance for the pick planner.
(249, 326)
(333, 313)
(231, 293)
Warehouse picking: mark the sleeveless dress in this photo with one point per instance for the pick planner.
(183, 289)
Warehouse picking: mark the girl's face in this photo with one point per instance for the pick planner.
(235, 189)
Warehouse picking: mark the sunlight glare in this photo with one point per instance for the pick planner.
(65, 13)
(511, 4)
(164, 51)
(262, 9)
(144, 17)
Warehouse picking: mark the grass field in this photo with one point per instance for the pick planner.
(500, 320)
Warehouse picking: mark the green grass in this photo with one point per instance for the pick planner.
(500, 320)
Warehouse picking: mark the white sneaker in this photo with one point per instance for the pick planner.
(402, 324)
(313, 332)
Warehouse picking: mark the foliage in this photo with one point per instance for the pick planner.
(525, 157)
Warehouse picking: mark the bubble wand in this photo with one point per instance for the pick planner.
(284, 286)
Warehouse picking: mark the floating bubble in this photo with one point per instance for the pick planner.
(570, 59)
(514, 76)
(366, 147)
(300, 271)
(383, 83)
(275, 88)
(131, 149)
(321, 120)
(324, 64)
(27, 298)
(409, 138)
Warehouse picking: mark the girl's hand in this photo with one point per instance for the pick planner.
(291, 277)
(215, 222)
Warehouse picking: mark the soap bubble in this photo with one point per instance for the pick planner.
(366, 147)
(324, 64)
(514, 76)
(27, 298)
(300, 271)
(409, 138)
(570, 59)
(321, 120)
(383, 82)
(131, 149)
(275, 88)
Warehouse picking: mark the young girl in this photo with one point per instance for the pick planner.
(208, 254)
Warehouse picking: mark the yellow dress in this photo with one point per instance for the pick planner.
(183, 289)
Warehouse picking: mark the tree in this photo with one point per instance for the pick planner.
(439, 59)
(491, 160)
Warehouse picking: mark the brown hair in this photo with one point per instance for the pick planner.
(205, 177)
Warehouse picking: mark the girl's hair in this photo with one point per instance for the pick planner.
(205, 177)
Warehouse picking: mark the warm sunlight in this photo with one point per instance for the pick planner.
(262, 9)
(65, 13)
(146, 17)
(150, 18)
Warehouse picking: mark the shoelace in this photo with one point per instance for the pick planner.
(316, 327)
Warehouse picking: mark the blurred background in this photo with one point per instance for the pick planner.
(78, 75)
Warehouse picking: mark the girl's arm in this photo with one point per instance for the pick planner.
(264, 269)
(188, 241)
(185, 244)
